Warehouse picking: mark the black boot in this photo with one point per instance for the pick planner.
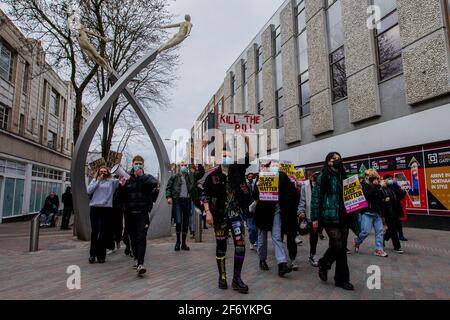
(239, 285)
(178, 243)
(184, 245)
(222, 274)
(283, 268)
(263, 265)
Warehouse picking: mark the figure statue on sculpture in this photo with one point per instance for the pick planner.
(85, 44)
(183, 33)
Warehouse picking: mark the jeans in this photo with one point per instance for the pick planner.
(138, 224)
(280, 253)
(252, 231)
(182, 214)
(337, 251)
(367, 221)
(99, 231)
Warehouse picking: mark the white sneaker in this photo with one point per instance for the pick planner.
(109, 252)
(252, 246)
(298, 241)
(294, 265)
(141, 270)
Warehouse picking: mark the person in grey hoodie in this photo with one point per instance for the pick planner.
(101, 191)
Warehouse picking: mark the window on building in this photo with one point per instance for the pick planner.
(245, 87)
(6, 63)
(233, 87)
(4, 112)
(335, 34)
(26, 78)
(41, 134)
(302, 59)
(300, 17)
(388, 41)
(277, 40)
(64, 116)
(22, 124)
(44, 94)
(279, 103)
(305, 94)
(338, 75)
(54, 103)
(51, 140)
(259, 81)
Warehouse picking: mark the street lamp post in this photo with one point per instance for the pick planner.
(175, 148)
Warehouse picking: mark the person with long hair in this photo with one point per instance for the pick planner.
(101, 191)
(328, 210)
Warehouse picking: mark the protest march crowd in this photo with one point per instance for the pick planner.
(277, 199)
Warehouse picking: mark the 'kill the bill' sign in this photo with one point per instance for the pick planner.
(240, 123)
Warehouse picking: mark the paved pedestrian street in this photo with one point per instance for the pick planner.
(423, 272)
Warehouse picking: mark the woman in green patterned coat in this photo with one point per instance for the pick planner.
(327, 208)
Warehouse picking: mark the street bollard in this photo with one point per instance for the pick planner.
(34, 233)
(198, 225)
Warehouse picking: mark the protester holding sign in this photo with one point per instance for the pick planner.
(327, 207)
(372, 215)
(268, 218)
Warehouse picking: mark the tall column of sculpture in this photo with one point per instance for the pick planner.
(81, 200)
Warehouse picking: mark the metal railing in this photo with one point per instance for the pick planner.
(34, 233)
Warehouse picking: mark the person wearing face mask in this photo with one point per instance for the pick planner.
(372, 215)
(181, 191)
(392, 194)
(137, 196)
(226, 195)
(252, 230)
(327, 208)
(101, 191)
(278, 218)
(304, 212)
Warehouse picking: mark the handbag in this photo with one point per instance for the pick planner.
(304, 227)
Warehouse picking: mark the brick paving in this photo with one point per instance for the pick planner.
(423, 272)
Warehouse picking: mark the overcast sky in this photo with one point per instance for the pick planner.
(222, 30)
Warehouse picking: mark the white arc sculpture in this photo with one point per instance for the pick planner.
(161, 213)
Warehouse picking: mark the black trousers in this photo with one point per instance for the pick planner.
(67, 212)
(291, 234)
(138, 224)
(313, 239)
(99, 231)
(392, 231)
(117, 227)
(337, 252)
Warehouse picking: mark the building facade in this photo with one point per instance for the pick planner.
(36, 115)
(368, 78)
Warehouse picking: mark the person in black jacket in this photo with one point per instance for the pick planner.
(67, 201)
(372, 215)
(137, 195)
(393, 194)
(226, 194)
(50, 210)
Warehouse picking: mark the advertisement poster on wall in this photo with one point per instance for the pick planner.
(438, 179)
(408, 170)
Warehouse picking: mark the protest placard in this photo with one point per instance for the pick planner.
(354, 199)
(268, 189)
(240, 123)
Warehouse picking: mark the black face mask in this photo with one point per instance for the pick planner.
(337, 164)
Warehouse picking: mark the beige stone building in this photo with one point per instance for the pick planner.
(36, 116)
(367, 78)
